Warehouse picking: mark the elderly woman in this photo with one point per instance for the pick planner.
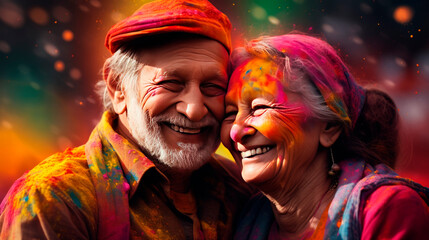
(318, 146)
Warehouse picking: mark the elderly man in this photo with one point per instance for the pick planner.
(147, 170)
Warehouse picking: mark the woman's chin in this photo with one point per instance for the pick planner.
(255, 173)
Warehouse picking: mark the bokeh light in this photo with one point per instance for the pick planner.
(75, 74)
(59, 66)
(258, 12)
(95, 3)
(68, 35)
(4, 47)
(11, 14)
(51, 50)
(38, 15)
(274, 20)
(403, 14)
(61, 14)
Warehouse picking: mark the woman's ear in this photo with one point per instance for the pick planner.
(330, 134)
(115, 92)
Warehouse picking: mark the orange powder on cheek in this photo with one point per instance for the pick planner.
(281, 125)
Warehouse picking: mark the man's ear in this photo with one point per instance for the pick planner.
(115, 92)
(330, 134)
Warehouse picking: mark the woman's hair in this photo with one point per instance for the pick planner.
(376, 134)
(310, 64)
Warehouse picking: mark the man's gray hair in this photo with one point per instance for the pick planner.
(124, 69)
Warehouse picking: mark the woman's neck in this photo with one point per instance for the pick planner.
(299, 204)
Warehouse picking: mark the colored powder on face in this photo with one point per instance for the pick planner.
(259, 78)
(283, 118)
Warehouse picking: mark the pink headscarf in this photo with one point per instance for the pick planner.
(324, 67)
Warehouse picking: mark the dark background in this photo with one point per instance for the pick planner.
(51, 53)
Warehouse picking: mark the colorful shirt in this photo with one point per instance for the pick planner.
(369, 203)
(107, 189)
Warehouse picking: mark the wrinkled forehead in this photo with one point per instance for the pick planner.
(191, 47)
(255, 76)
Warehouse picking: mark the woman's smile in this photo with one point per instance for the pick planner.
(255, 151)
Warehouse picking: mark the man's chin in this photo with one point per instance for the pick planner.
(186, 157)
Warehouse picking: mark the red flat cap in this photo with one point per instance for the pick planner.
(164, 16)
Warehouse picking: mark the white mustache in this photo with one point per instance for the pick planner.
(182, 121)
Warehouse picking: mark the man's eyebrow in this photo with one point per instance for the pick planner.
(218, 75)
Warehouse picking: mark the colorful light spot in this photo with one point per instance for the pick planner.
(75, 74)
(51, 50)
(4, 47)
(403, 14)
(38, 15)
(61, 14)
(273, 20)
(68, 35)
(59, 66)
(11, 14)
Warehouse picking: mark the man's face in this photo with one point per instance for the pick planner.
(174, 114)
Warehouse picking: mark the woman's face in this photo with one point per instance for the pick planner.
(268, 129)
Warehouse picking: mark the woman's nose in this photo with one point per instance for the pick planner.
(240, 131)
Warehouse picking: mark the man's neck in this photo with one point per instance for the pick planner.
(180, 180)
(121, 127)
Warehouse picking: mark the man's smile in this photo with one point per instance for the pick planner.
(185, 130)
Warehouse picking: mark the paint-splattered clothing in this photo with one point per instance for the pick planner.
(107, 189)
(370, 203)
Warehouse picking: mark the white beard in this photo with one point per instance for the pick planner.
(147, 132)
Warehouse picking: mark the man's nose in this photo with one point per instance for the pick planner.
(192, 105)
(240, 131)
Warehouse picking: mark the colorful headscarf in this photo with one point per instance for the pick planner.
(325, 69)
(166, 16)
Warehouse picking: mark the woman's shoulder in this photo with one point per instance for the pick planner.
(394, 211)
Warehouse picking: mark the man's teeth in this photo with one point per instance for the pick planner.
(185, 130)
(255, 151)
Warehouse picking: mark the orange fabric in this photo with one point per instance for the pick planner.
(164, 16)
(319, 233)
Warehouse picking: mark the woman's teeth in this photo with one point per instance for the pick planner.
(255, 151)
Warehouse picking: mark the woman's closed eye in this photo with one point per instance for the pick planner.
(260, 109)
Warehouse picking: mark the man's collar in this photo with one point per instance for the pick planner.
(133, 162)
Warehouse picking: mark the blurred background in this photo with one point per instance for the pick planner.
(51, 53)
